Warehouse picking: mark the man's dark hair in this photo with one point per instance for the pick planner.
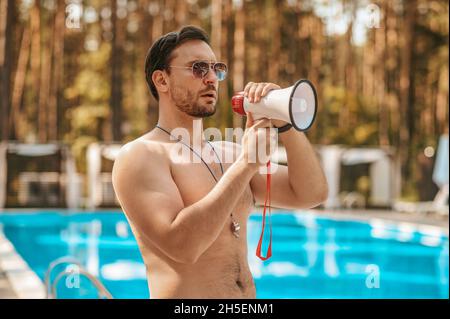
(160, 54)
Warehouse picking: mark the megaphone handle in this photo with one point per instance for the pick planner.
(269, 249)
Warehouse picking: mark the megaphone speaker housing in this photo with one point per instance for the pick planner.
(302, 105)
(296, 104)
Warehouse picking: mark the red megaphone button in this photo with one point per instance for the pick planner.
(237, 103)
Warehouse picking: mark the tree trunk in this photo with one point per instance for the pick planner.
(145, 40)
(17, 120)
(239, 55)
(156, 32)
(157, 26)
(407, 89)
(216, 45)
(348, 77)
(380, 76)
(35, 60)
(57, 76)
(442, 102)
(116, 74)
(317, 44)
(392, 66)
(168, 14)
(273, 15)
(44, 92)
(181, 13)
(216, 27)
(224, 94)
(6, 50)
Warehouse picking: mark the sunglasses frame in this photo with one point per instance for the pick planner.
(212, 66)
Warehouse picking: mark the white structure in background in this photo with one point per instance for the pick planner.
(67, 179)
(440, 178)
(100, 187)
(384, 172)
(440, 173)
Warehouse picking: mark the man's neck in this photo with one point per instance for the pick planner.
(177, 122)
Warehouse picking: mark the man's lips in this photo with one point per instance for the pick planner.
(210, 94)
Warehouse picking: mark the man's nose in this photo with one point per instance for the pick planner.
(211, 76)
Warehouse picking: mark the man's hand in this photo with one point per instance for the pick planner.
(256, 141)
(255, 91)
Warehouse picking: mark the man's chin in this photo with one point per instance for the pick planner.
(204, 112)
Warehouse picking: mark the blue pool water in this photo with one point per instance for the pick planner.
(313, 256)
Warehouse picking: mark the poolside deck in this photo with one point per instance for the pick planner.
(6, 290)
(17, 280)
(418, 219)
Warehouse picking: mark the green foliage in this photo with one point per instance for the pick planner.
(90, 91)
(307, 49)
(86, 119)
(346, 118)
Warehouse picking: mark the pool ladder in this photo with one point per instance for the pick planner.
(50, 287)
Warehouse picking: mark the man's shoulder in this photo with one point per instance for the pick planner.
(140, 152)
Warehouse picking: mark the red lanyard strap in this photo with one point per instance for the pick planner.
(269, 249)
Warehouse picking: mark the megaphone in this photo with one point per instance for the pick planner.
(296, 104)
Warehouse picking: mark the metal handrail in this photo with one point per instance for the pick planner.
(53, 264)
(102, 291)
(51, 289)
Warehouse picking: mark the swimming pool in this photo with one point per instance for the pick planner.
(313, 256)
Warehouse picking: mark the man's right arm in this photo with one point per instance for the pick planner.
(147, 193)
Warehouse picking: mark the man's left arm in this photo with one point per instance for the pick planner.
(300, 184)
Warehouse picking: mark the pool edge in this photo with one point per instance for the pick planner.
(371, 218)
(25, 282)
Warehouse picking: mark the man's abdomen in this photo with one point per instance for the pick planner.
(220, 279)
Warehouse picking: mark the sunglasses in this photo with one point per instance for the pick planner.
(200, 69)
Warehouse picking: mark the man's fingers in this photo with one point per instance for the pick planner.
(247, 88)
(258, 91)
(255, 91)
(251, 92)
(269, 87)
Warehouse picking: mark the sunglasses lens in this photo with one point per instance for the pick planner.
(221, 70)
(200, 69)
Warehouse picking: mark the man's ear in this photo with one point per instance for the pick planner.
(160, 81)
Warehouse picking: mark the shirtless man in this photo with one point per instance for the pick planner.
(181, 217)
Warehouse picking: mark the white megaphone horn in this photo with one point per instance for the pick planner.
(296, 105)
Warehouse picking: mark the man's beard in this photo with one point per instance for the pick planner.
(188, 103)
